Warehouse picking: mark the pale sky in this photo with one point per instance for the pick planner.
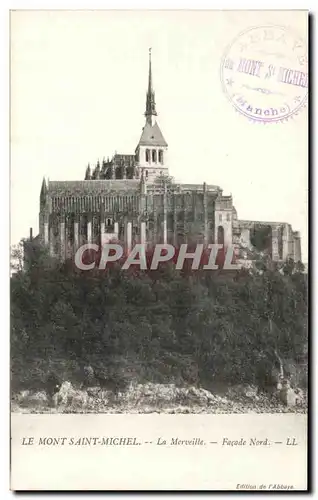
(78, 92)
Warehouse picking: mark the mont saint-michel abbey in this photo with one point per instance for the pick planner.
(132, 199)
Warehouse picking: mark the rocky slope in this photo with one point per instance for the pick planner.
(157, 398)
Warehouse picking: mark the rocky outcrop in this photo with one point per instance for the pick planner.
(161, 398)
(68, 397)
(30, 399)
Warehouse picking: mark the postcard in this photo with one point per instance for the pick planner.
(159, 250)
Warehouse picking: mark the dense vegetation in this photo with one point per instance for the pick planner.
(164, 326)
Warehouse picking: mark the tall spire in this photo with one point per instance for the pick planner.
(150, 102)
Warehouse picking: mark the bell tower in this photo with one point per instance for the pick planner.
(151, 151)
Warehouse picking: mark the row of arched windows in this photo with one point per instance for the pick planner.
(228, 217)
(151, 156)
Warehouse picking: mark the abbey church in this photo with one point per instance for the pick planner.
(133, 199)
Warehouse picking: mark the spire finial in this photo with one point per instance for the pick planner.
(150, 74)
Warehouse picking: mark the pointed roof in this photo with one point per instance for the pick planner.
(152, 136)
(43, 187)
(43, 192)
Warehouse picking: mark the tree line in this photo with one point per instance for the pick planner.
(164, 326)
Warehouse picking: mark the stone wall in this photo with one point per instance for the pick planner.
(74, 213)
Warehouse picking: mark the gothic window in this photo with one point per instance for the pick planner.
(188, 199)
(280, 242)
(228, 217)
(146, 173)
(180, 216)
(55, 227)
(130, 172)
(86, 203)
(109, 222)
(118, 173)
(70, 228)
(170, 221)
(83, 226)
(147, 155)
(108, 174)
(190, 217)
(95, 228)
(221, 235)
(154, 156)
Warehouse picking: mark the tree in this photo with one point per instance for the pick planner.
(17, 256)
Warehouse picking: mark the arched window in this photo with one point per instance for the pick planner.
(221, 235)
(220, 217)
(137, 156)
(281, 242)
(228, 217)
(160, 156)
(108, 222)
(118, 173)
(147, 155)
(129, 172)
(154, 156)
(146, 173)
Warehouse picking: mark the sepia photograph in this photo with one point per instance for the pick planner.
(159, 217)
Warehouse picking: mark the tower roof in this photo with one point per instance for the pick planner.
(152, 136)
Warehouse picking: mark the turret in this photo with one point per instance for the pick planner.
(88, 173)
(43, 194)
(97, 170)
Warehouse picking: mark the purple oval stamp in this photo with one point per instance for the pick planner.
(264, 73)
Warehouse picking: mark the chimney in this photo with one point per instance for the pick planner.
(31, 235)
